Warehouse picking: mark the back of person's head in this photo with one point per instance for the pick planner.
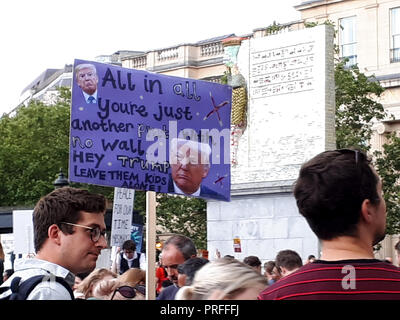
(190, 267)
(222, 279)
(87, 285)
(330, 190)
(129, 245)
(288, 259)
(63, 205)
(133, 276)
(184, 244)
(252, 261)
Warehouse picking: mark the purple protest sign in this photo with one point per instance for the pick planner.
(146, 131)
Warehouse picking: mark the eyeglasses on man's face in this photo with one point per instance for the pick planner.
(95, 232)
(129, 292)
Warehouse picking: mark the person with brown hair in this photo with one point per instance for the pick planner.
(271, 272)
(340, 195)
(254, 262)
(288, 261)
(69, 234)
(128, 258)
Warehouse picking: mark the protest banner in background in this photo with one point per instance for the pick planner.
(137, 236)
(124, 122)
(122, 216)
(23, 232)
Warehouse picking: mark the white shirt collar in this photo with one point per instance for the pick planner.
(94, 95)
(34, 263)
(177, 190)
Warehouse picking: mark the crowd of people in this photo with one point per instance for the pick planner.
(338, 192)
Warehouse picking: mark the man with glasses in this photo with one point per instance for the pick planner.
(69, 234)
(340, 195)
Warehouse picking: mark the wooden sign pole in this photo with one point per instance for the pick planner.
(151, 245)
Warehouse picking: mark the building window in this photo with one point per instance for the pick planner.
(347, 40)
(395, 35)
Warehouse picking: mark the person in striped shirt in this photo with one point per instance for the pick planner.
(340, 195)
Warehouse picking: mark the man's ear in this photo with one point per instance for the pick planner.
(367, 210)
(54, 233)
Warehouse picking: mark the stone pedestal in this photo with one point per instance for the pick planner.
(291, 105)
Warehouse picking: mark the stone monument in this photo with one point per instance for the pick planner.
(290, 119)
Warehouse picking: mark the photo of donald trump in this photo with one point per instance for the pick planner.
(190, 164)
(87, 79)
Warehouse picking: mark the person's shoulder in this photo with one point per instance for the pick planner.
(49, 290)
(168, 293)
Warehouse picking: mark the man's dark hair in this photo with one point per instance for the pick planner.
(129, 245)
(311, 256)
(252, 261)
(288, 259)
(63, 205)
(190, 267)
(184, 244)
(331, 188)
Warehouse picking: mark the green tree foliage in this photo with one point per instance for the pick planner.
(356, 106)
(388, 167)
(185, 216)
(33, 148)
(356, 111)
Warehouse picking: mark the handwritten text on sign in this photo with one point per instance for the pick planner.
(122, 216)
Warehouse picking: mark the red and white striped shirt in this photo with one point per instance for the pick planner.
(366, 279)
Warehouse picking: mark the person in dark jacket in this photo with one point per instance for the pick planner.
(128, 258)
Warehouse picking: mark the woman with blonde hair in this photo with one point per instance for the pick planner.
(85, 288)
(133, 277)
(224, 279)
(115, 289)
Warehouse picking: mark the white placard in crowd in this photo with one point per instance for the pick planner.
(122, 216)
(23, 231)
